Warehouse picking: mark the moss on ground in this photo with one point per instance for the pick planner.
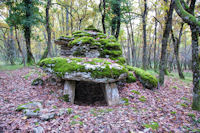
(99, 68)
(149, 81)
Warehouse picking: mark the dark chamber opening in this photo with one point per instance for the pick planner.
(89, 93)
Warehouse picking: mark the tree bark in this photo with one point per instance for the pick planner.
(155, 41)
(168, 27)
(116, 21)
(48, 29)
(19, 47)
(103, 15)
(176, 43)
(144, 58)
(195, 68)
(67, 20)
(27, 35)
(187, 14)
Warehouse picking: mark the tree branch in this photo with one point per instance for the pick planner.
(186, 16)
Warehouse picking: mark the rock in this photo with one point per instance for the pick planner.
(47, 116)
(62, 111)
(31, 106)
(111, 94)
(37, 81)
(69, 89)
(38, 130)
(31, 113)
(85, 69)
(90, 43)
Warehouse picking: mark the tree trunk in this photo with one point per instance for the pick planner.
(27, 36)
(71, 18)
(176, 42)
(67, 20)
(195, 68)
(144, 58)
(19, 47)
(168, 26)
(133, 51)
(48, 29)
(155, 35)
(128, 45)
(11, 44)
(116, 21)
(103, 15)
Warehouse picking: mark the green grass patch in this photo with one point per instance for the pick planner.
(173, 112)
(152, 125)
(10, 67)
(135, 92)
(143, 99)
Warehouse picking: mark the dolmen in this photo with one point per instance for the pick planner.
(90, 56)
(103, 71)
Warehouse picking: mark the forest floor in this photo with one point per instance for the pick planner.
(167, 109)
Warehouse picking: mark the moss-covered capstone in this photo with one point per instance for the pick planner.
(91, 43)
(85, 69)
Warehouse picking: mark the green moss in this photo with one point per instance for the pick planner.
(143, 99)
(135, 92)
(113, 46)
(112, 53)
(92, 28)
(69, 37)
(130, 68)
(78, 34)
(131, 78)
(66, 98)
(84, 40)
(149, 81)
(61, 65)
(21, 107)
(104, 41)
(119, 60)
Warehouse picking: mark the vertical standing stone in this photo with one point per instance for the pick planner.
(111, 93)
(69, 89)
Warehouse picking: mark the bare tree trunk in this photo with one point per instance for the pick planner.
(19, 47)
(155, 36)
(176, 42)
(103, 14)
(168, 26)
(67, 20)
(48, 29)
(133, 51)
(195, 68)
(128, 38)
(71, 18)
(144, 58)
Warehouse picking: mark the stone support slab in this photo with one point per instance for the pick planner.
(69, 89)
(111, 93)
